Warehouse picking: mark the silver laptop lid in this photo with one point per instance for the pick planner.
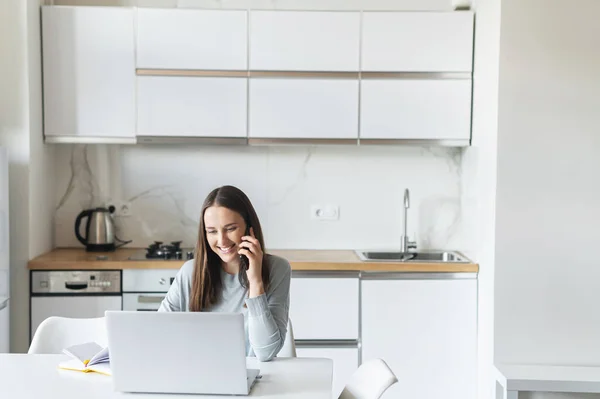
(177, 352)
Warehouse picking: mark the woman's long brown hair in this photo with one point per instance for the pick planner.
(206, 281)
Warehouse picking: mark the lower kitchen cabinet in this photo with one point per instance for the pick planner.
(426, 330)
(43, 307)
(324, 307)
(345, 362)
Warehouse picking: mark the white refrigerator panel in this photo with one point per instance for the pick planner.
(4, 242)
(4, 254)
(4, 330)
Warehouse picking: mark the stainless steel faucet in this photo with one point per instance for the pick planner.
(405, 243)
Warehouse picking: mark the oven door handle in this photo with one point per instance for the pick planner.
(150, 299)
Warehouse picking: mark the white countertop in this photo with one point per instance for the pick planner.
(37, 376)
(539, 378)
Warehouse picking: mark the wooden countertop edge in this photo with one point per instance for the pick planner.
(300, 260)
(296, 266)
(388, 267)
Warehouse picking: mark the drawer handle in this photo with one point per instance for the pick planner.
(326, 343)
(150, 299)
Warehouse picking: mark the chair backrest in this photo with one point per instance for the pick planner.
(289, 346)
(369, 381)
(56, 333)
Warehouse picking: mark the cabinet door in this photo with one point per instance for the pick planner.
(417, 41)
(71, 306)
(324, 308)
(89, 72)
(345, 363)
(427, 333)
(192, 39)
(191, 106)
(303, 108)
(415, 109)
(304, 40)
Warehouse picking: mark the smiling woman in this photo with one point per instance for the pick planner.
(230, 273)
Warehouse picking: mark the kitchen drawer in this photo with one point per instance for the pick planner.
(142, 301)
(149, 280)
(324, 308)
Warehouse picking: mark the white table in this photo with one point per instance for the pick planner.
(514, 378)
(37, 376)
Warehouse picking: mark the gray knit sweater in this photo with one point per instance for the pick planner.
(265, 316)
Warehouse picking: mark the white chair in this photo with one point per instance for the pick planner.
(369, 381)
(56, 333)
(289, 346)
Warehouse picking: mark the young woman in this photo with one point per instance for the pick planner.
(230, 273)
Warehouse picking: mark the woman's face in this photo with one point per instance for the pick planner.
(224, 229)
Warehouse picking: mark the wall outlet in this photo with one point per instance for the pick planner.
(324, 212)
(123, 208)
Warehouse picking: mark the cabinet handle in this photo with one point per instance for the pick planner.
(150, 299)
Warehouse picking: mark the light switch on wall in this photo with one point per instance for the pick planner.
(324, 212)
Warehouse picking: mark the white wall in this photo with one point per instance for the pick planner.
(548, 191)
(14, 134)
(479, 180)
(42, 185)
(20, 131)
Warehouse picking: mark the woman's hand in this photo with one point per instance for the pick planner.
(250, 247)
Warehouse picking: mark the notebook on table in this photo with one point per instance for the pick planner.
(87, 357)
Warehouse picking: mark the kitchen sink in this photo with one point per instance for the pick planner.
(424, 256)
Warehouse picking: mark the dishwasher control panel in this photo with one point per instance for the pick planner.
(76, 282)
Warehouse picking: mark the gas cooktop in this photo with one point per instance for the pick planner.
(160, 251)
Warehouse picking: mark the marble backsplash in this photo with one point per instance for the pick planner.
(166, 186)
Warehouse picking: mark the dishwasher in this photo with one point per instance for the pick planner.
(75, 294)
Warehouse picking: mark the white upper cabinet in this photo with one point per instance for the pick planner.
(192, 39)
(416, 109)
(89, 72)
(303, 108)
(191, 106)
(304, 40)
(417, 41)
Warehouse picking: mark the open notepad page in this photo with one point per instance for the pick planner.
(88, 354)
(76, 365)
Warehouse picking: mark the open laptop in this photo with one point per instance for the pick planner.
(178, 352)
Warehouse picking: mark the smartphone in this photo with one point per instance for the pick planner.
(243, 258)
